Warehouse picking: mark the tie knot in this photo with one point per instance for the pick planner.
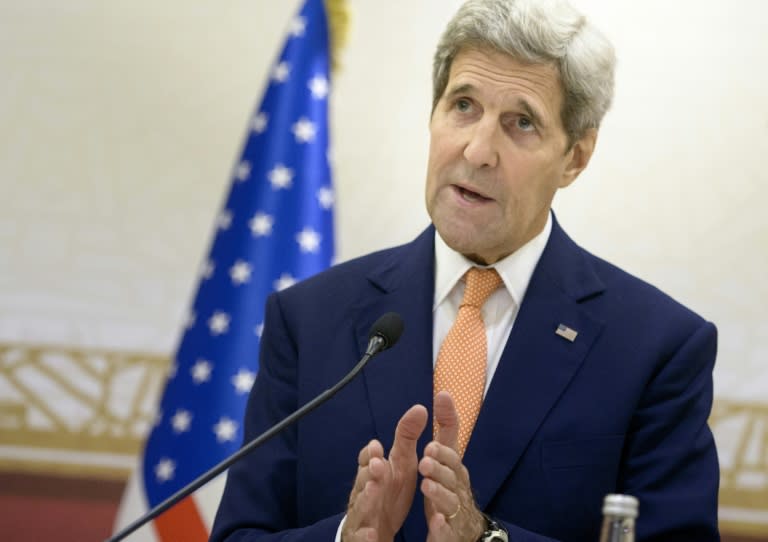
(481, 283)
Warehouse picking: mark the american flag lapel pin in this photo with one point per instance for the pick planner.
(566, 333)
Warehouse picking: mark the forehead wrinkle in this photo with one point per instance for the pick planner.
(546, 75)
(533, 71)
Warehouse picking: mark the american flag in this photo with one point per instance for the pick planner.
(275, 229)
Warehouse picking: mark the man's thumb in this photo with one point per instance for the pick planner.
(409, 429)
(446, 420)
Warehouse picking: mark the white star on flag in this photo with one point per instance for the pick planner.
(207, 269)
(243, 381)
(325, 197)
(285, 281)
(309, 240)
(225, 429)
(224, 220)
(218, 323)
(304, 130)
(281, 72)
(297, 27)
(260, 122)
(261, 224)
(181, 421)
(259, 330)
(164, 470)
(280, 177)
(240, 272)
(243, 171)
(318, 86)
(201, 371)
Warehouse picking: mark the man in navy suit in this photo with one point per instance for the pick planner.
(596, 382)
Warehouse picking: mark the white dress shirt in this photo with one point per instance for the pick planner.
(499, 311)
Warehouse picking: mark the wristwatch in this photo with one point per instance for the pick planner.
(494, 531)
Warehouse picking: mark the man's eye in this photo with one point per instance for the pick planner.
(463, 105)
(525, 124)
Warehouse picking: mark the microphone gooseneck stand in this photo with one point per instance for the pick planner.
(384, 333)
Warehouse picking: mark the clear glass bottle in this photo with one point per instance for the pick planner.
(619, 514)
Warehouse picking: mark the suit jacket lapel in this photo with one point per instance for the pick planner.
(402, 376)
(536, 365)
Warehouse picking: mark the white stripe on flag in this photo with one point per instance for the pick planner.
(208, 498)
(134, 505)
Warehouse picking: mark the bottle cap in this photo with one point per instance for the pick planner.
(620, 505)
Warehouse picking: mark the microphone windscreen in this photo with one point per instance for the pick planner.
(389, 327)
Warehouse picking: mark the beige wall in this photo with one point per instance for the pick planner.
(119, 123)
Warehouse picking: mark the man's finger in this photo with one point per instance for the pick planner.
(444, 500)
(444, 455)
(407, 433)
(372, 449)
(365, 508)
(446, 420)
(377, 471)
(430, 468)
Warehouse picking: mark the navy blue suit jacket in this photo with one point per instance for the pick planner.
(623, 408)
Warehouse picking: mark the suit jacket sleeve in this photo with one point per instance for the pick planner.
(670, 456)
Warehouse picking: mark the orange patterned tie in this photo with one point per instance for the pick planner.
(462, 363)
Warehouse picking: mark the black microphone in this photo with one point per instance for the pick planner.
(384, 334)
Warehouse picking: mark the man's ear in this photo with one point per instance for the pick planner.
(578, 156)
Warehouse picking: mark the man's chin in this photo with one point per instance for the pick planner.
(464, 243)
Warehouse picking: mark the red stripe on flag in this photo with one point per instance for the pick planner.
(181, 522)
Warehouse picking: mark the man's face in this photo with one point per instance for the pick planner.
(498, 153)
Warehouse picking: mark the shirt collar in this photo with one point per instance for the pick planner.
(515, 270)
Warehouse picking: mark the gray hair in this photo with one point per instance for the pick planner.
(537, 32)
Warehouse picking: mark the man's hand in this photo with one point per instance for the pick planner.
(384, 487)
(452, 515)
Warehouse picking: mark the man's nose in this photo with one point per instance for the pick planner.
(481, 149)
